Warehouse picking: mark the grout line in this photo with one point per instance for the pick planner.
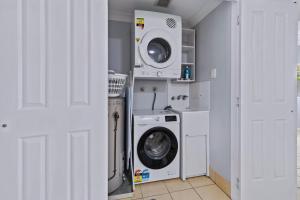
(168, 190)
(140, 186)
(198, 193)
(166, 186)
(206, 185)
(192, 187)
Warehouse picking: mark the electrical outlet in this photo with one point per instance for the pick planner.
(213, 73)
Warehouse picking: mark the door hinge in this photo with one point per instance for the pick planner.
(238, 20)
(238, 183)
(238, 102)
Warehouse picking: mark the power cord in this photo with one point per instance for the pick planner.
(154, 97)
(116, 118)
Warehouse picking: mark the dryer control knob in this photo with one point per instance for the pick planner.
(159, 74)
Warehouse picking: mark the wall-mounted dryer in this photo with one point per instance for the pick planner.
(157, 45)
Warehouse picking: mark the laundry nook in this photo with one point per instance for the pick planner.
(177, 63)
(149, 99)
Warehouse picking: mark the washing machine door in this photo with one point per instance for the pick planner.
(157, 148)
(158, 49)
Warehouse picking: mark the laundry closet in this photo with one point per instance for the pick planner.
(98, 102)
(178, 88)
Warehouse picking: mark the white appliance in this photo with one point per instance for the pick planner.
(157, 45)
(116, 127)
(194, 160)
(156, 145)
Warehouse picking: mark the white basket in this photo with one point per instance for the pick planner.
(116, 84)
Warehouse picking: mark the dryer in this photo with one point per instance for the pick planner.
(157, 45)
(156, 146)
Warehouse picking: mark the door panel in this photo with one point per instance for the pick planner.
(53, 104)
(79, 44)
(32, 168)
(268, 88)
(196, 151)
(31, 53)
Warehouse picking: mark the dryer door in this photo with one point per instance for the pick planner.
(157, 148)
(158, 49)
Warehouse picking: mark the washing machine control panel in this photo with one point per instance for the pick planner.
(171, 118)
(158, 117)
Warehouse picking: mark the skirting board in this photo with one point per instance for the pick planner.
(220, 181)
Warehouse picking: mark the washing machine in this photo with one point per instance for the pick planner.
(156, 145)
(157, 45)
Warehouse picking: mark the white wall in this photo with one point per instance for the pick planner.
(119, 45)
(200, 95)
(213, 51)
(176, 89)
(143, 99)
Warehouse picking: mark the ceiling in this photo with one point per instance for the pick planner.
(191, 11)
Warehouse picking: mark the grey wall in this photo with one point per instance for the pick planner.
(213, 51)
(298, 53)
(119, 44)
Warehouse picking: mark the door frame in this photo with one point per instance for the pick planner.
(235, 99)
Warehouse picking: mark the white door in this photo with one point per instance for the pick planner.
(53, 108)
(268, 94)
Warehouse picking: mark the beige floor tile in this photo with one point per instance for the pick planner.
(211, 192)
(138, 189)
(298, 194)
(137, 196)
(189, 194)
(200, 181)
(174, 185)
(160, 197)
(137, 193)
(153, 189)
(131, 199)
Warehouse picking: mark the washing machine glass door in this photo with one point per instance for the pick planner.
(158, 49)
(157, 148)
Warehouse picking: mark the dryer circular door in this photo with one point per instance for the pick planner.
(157, 148)
(158, 49)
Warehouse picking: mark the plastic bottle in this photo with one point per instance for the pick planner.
(187, 73)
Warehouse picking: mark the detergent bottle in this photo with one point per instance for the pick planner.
(187, 73)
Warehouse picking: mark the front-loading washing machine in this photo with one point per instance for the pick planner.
(157, 45)
(156, 145)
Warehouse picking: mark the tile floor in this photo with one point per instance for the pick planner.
(298, 159)
(298, 164)
(198, 188)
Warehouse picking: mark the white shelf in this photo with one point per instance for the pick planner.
(184, 81)
(188, 30)
(188, 38)
(187, 63)
(188, 54)
(188, 47)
